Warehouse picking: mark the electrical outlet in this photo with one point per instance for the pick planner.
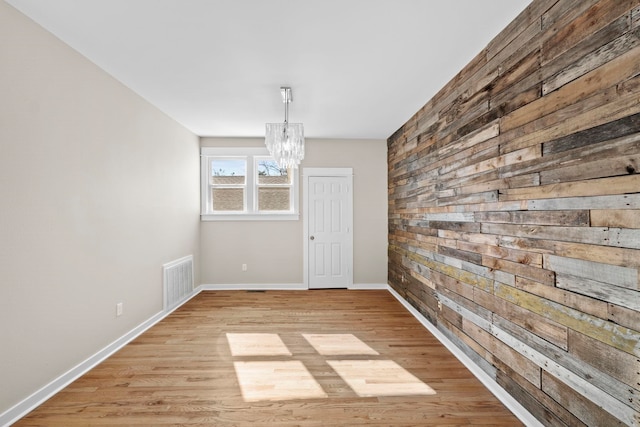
(119, 309)
(244, 267)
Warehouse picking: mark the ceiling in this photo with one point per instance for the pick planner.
(357, 68)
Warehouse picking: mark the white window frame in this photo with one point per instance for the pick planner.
(251, 212)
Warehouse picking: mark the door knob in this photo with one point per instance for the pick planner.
(311, 238)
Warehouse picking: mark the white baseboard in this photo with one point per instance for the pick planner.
(281, 287)
(368, 286)
(507, 400)
(254, 287)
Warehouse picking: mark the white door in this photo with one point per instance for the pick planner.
(329, 234)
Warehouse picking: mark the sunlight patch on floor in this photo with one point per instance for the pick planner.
(338, 345)
(277, 380)
(376, 378)
(257, 345)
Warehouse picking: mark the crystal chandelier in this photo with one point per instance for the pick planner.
(285, 141)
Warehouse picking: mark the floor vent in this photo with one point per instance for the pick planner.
(177, 282)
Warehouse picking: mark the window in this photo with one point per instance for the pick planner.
(246, 184)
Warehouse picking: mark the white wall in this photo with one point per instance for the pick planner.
(97, 190)
(273, 250)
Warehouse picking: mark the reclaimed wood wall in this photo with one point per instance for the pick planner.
(514, 211)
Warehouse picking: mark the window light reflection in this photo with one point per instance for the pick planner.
(338, 345)
(257, 345)
(277, 380)
(376, 378)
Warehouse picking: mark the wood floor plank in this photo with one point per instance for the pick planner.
(181, 371)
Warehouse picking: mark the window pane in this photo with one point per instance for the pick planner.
(270, 173)
(273, 198)
(227, 199)
(228, 171)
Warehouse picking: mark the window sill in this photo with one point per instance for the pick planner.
(250, 217)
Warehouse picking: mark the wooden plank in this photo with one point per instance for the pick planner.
(527, 41)
(502, 352)
(587, 45)
(635, 17)
(519, 270)
(624, 316)
(474, 180)
(587, 411)
(491, 130)
(560, 14)
(450, 234)
(624, 297)
(592, 187)
(614, 335)
(631, 85)
(479, 317)
(486, 197)
(530, 180)
(615, 218)
(481, 238)
(534, 400)
(515, 157)
(574, 218)
(598, 271)
(524, 68)
(449, 216)
(585, 304)
(582, 387)
(512, 33)
(465, 109)
(601, 168)
(522, 257)
(456, 85)
(460, 254)
(590, 235)
(626, 238)
(624, 146)
(487, 150)
(446, 284)
(456, 273)
(464, 128)
(478, 354)
(488, 273)
(621, 201)
(615, 363)
(495, 206)
(571, 119)
(590, 21)
(596, 374)
(445, 242)
(592, 83)
(590, 252)
(468, 227)
(619, 128)
(537, 325)
(523, 93)
(593, 60)
(451, 316)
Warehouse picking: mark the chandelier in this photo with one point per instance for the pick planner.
(285, 141)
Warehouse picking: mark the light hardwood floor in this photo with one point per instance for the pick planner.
(278, 358)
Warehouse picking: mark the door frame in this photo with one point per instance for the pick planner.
(326, 172)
